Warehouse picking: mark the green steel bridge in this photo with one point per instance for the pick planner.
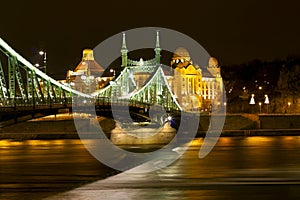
(155, 90)
(25, 90)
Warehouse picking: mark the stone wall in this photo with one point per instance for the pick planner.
(280, 121)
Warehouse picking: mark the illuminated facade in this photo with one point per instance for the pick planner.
(87, 76)
(142, 69)
(193, 88)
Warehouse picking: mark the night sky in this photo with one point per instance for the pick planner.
(233, 31)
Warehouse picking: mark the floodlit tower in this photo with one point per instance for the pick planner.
(157, 49)
(124, 51)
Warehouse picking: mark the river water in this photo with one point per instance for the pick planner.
(34, 169)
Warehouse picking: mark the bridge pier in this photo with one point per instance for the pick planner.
(142, 136)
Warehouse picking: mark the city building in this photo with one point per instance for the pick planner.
(87, 76)
(195, 88)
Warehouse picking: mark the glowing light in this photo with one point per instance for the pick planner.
(196, 142)
(38, 72)
(38, 142)
(252, 101)
(9, 143)
(225, 140)
(259, 107)
(266, 99)
(259, 140)
(141, 62)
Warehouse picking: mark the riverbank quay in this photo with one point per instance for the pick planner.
(224, 133)
(62, 126)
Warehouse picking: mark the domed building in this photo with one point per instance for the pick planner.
(195, 89)
(213, 62)
(213, 67)
(181, 55)
(88, 65)
(86, 77)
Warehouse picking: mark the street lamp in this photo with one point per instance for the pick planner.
(259, 107)
(289, 104)
(252, 101)
(43, 53)
(267, 102)
(113, 71)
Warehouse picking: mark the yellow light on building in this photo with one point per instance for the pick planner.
(195, 92)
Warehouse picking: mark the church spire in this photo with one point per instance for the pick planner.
(157, 48)
(124, 51)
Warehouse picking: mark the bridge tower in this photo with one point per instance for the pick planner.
(157, 49)
(124, 51)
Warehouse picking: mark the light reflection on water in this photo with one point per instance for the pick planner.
(32, 169)
(58, 164)
(237, 168)
(241, 157)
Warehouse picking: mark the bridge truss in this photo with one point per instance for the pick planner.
(155, 91)
(23, 85)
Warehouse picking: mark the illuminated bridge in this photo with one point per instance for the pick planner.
(142, 86)
(25, 90)
(155, 95)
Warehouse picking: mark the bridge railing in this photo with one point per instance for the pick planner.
(105, 101)
(33, 104)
